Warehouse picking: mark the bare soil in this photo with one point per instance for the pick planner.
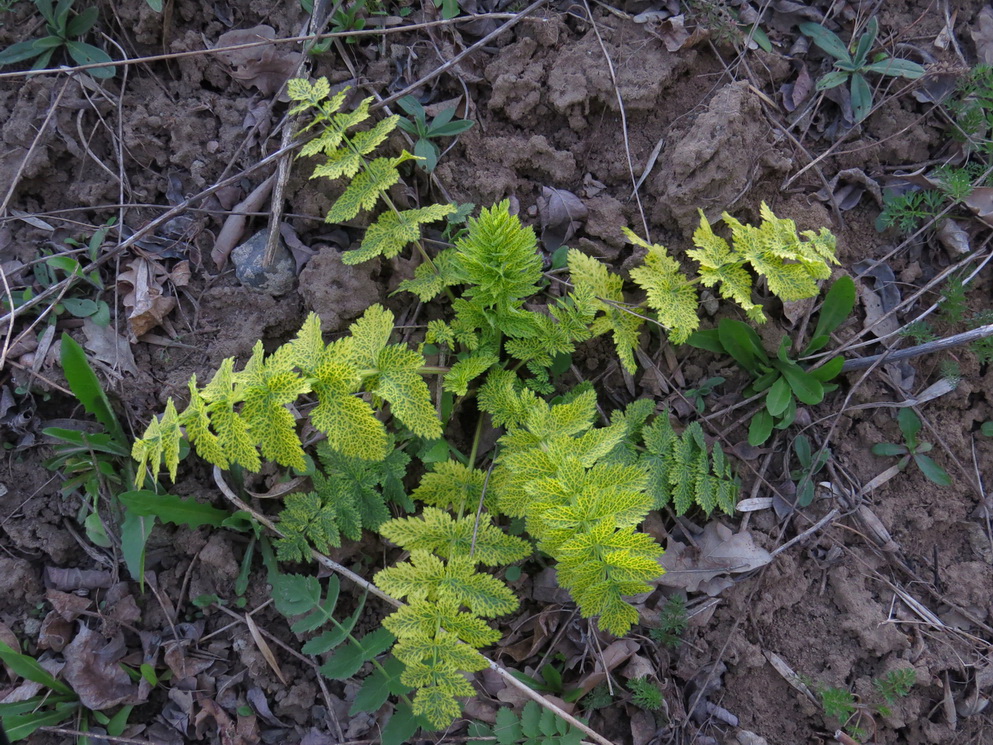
(898, 576)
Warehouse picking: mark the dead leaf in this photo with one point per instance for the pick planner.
(874, 311)
(264, 647)
(93, 671)
(266, 66)
(226, 729)
(798, 91)
(145, 299)
(68, 580)
(982, 35)
(55, 632)
(527, 638)
(616, 654)
(706, 568)
(953, 237)
(643, 727)
(67, 604)
(562, 213)
(980, 201)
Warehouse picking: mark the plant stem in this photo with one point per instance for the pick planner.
(956, 340)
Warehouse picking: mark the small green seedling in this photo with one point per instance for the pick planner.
(551, 682)
(672, 623)
(98, 465)
(913, 449)
(853, 64)
(855, 716)
(64, 29)
(987, 428)
(780, 380)
(426, 132)
(810, 466)
(697, 395)
(646, 694)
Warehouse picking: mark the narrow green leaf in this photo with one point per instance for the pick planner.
(827, 40)
(27, 667)
(451, 129)
(837, 306)
(909, 423)
(805, 386)
(887, 449)
(708, 339)
(82, 23)
(801, 446)
(868, 38)
(84, 385)
(829, 370)
(135, 530)
(897, 68)
(335, 636)
(87, 54)
(932, 470)
(172, 509)
(760, 428)
(21, 51)
(86, 441)
(117, 723)
(412, 106)
(861, 98)
(742, 343)
(778, 397)
(22, 725)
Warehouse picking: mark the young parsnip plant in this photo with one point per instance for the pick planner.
(913, 449)
(345, 157)
(582, 488)
(781, 380)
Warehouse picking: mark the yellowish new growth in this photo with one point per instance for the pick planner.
(238, 414)
(792, 263)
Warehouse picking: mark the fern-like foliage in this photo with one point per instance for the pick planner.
(533, 726)
(238, 414)
(350, 494)
(680, 472)
(449, 599)
(346, 155)
(791, 263)
(498, 265)
(582, 508)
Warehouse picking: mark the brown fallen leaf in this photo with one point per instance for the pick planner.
(266, 66)
(980, 201)
(264, 647)
(109, 347)
(144, 299)
(615, 654)
(562, 213)
(93, 672)
(982, 35)
(706, 568)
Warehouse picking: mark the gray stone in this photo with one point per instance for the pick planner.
(276, 279)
